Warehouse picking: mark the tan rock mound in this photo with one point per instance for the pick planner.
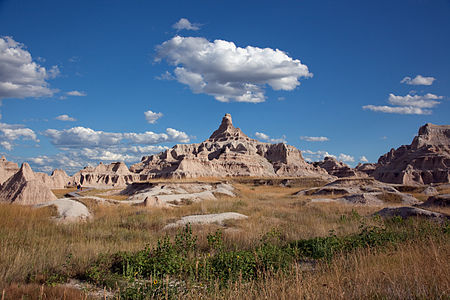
(58, 180)
(7, 169)
(68, 210)
(438, 200)
(406, 212)
(425, 161)
(115, 174)
(228, 152)
(338, 168)
(367, 168)
(25, 188)
(206, 219)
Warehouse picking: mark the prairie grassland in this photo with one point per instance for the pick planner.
(34, 249)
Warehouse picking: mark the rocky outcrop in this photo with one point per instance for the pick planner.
(438, 200)
(57, 180)
(367, 168)
(228, 152)
(406, 212)
(25, 188)
(114, 174)
(338, 168)
(425, 161)
(7, 169)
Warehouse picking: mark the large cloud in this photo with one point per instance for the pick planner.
(418, 80)
(408, 105)
(20, 76)
(228, 72)
(81, 137)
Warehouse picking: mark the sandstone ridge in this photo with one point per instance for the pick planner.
(227, 152)
(425, 161)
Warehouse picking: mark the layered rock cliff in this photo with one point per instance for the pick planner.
(338, 168)
(425, 161)
(7, 169)
(227, 152)
(114, 174)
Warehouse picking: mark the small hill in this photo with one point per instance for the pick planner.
(25, 188)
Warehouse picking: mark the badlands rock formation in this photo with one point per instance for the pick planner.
(425, 161)
(58, 180)
(337, 168)
(25, 188)
(7, 169)
(114, 174)
(228, 152)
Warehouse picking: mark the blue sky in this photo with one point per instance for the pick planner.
(346, 78)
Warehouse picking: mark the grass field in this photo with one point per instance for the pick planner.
(39, 257)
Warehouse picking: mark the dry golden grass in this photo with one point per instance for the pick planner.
(32, 246)
(416, 270)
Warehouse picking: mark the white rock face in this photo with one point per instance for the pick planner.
(25, 188)
(68, 210)
(228, 152)
(172, 194)
(425, 161)
(207, 219)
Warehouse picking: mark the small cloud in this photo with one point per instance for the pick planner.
(184, 24)
(74, 59)
(265, 137)
(281, 99)
(314, 138)
(152, 117)
(363, 159)
(418, 80)
(65, 118)
(53, 72)
(76, 93)
(165, 76)
(384, 137)
(346, 158)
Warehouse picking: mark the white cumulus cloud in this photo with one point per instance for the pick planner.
(418, 80)
(404, 110)
(20, 76)
(185, 24)
(407, 105)
(152, 117)
(230, 73)
(320, 155)
(314, 138)
(363, 159)
(65, 118)
(266, 138)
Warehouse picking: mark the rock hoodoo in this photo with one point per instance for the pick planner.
(227, 152)
(425, 161)
(24, 187)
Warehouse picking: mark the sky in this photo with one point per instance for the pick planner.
(89, 81)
